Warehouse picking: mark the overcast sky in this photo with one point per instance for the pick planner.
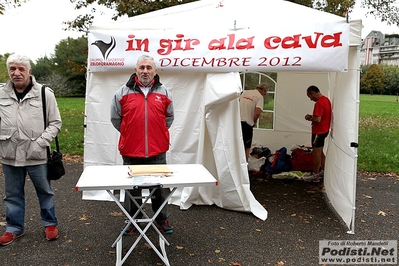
(35, 28)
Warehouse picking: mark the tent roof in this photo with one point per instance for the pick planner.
(213, 15)
(225, 14)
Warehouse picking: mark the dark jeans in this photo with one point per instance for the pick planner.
(159, 195)
(14, 189)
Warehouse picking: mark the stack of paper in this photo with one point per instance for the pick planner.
(149, 170)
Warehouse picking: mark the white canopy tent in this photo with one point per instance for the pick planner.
(200, 48)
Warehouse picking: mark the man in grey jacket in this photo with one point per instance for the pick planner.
(23, 142)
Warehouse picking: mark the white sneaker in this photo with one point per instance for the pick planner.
(321, 174)
(311, 178)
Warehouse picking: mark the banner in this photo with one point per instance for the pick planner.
(319, 47)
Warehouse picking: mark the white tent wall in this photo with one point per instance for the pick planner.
(341, 161)
(100, 137)
(205, 131)
(291, 106)
(290, 127)
(207, 128)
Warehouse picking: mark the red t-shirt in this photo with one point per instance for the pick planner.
(322, 108)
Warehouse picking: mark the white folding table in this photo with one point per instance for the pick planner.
(116, 177)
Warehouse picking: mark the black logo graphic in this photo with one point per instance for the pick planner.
(105, 48)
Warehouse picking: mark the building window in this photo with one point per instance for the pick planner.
(249, 81)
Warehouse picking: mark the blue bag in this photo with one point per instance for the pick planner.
(281, 162)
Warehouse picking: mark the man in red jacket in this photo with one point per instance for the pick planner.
(321, 120)
(142, 112)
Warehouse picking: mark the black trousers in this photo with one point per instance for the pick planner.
(159, 195)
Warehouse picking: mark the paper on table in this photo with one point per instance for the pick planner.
(146, 180)
(143, 170)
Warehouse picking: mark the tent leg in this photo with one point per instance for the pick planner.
(352, 228)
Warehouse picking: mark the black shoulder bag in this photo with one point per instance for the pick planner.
(55, 166)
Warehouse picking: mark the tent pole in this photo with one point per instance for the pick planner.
(355, 145)
(352, 227)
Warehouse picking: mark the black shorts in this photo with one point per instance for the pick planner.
(247, 134)
(318, 140)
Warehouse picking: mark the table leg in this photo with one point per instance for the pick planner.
(150, 221)
(162, 246)
(119, 252)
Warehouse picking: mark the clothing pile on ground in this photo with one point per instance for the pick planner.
(281, 165)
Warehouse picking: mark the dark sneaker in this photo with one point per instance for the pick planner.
(130, 230)
(164, 227)
(8, 237)
(51, 233)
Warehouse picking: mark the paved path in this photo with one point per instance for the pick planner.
(299, 216)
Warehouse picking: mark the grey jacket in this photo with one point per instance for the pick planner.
(23, 139)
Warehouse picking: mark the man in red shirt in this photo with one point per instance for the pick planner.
(321, 120)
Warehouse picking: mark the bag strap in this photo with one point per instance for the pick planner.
(45, 122)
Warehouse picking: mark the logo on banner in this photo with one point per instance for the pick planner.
(106, 48)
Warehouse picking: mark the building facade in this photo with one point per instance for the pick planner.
(379, 48)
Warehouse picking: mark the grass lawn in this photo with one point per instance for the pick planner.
(378, 131)
(71, 136)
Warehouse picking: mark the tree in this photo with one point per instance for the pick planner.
(386, 10)
(64, 72)
(45, 73)
(4, 4)
(59, 84)
(130, 8)
(137, 7)
(392, 75)
(363, 70)
(44, 67)
(70, 59)
(336, 7)
(3, 68)
(374, 80)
